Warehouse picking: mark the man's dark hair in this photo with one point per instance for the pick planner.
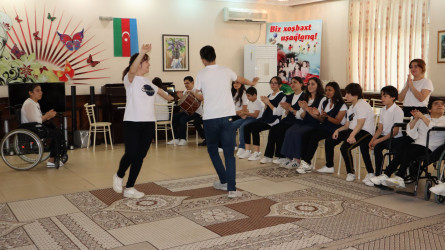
(208, 53)
(391, 91)
(188, 78)
(355, 90)
(251, 91)
(432, 100)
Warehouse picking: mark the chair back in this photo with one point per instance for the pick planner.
(89, 108)
(165, 111)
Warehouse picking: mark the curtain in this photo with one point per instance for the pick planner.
(384, 36)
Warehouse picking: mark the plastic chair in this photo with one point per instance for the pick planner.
(97, 126)
(164, 125)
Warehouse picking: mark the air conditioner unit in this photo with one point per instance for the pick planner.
(245, 15)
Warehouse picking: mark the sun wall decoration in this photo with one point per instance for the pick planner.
(57, 51)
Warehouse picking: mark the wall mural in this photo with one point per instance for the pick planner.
(57, 51)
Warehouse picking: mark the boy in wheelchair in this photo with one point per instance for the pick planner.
(406, 154)
(32, 119)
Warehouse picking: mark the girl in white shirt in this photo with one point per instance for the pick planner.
(239, 98)
(139, 120)
(417, 90)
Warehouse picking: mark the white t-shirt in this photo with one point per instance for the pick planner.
(411, 100)
(280, 111)
(420, 130)
(215, 82)
(361, 110)
(31, 112)
(238, 105)
(329, 108)
(254, 106)
(390, 116)
(140, 105)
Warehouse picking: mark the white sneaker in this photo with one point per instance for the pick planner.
(220, 150)
(265, 160)
(234, 194)
(117, 184)
(368, 181)
(218, 185)
(379, 180)
(236, 148)
(279, 160)
(397, 182)
(439, 189)
(175, 141)
(326, 170)
(255, 156)
(182, 142)
(292, 165)
(133, 193)
(284, 163)
(240, 151)
(52, 165)
(244, 155)
(304, 168)
(350, 177)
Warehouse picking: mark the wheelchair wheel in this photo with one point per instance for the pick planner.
(64, 158)
(25, 149)
(439, 199)
(427, 192)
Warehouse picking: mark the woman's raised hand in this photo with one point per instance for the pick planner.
(145, 48)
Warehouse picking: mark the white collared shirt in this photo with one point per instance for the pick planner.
(420, 131)
(361, 110)
(389, 116)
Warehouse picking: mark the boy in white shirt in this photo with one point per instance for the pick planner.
(357, 131)
(417, 129)
(389, 115)
(254, 106)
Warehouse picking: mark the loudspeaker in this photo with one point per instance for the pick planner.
(92, 101)
(73, 110)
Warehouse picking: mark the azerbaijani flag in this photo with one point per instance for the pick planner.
(125, 37)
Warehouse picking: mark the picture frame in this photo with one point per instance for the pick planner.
(175, 53)
(441, 46)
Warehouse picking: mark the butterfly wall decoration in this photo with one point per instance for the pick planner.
(49, 17)
(36, 36)
(18, 19)
(91, 62)
(67, 71)
(72, 43)
(17, 52)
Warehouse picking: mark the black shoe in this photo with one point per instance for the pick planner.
(203, 143)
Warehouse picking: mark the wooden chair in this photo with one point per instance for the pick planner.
(164, 125)
(97, 126)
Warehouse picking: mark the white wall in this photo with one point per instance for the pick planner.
(436, 70)
(201, 20)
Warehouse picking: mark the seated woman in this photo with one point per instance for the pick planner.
(31, 113)
(276, 134)
(267, 120)
(331, 113)
(292, 144)
(417, 129)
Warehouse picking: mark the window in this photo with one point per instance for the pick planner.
(384, 36)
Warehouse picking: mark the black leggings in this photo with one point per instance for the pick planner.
(137, 138)
(253, 129)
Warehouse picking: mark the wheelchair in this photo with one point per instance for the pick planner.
(27, 146)
(440, 166)
(418, 169)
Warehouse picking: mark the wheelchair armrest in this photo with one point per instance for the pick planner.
(437, 129)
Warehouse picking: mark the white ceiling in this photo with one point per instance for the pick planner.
(274, 2)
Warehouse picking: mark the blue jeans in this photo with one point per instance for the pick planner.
(241, 123)
(221, 130)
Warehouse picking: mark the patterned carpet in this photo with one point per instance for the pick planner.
(278, 210)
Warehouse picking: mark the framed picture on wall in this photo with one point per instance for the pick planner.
(175, 52)
(441, 47)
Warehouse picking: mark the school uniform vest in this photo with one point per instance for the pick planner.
(268, 116)
(290, 118)
(332, 113)
(308, 119)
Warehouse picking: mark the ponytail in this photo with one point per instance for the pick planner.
(132, 59)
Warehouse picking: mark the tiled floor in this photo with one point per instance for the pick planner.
(74, 207)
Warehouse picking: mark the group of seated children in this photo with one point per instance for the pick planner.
(298, 122)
